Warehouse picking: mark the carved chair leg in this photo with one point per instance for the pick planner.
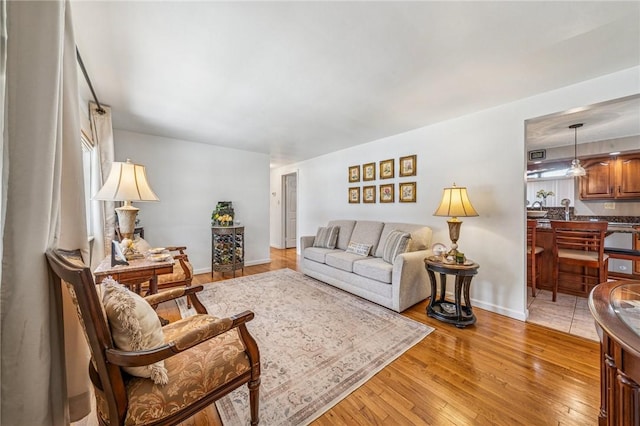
(254, 396)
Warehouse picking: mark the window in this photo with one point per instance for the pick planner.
(88, 151)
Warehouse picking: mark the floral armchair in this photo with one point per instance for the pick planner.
(197, 360)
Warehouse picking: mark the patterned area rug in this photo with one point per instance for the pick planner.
(317, 343)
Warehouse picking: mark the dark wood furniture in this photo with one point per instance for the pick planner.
(614, 305)
(580, 246)
(611, 178)
(441, 309)
(544, 239)
(192, 349)
(137, 272)
(534, 256)
(227, 249)
(182, 273)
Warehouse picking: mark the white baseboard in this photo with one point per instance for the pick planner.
(521, 316)
(252, 263)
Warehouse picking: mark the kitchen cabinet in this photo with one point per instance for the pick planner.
(636, 246)
(611, 178)
(628, 176)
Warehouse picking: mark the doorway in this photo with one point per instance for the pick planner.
(289, 206)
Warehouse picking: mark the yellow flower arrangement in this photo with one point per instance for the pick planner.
(223, 220)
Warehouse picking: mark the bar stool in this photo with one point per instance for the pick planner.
(534, 256)
(579, 244)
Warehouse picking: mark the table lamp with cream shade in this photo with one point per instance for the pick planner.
(126, 182)
(455, 203)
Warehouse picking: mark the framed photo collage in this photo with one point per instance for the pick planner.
(369, 193)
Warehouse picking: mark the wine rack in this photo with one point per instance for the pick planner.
(227, 249)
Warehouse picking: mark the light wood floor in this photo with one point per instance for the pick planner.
(498, 372)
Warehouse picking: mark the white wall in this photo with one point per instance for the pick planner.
(190, 178)
(483, 151)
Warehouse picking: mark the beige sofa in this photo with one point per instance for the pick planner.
(398, 285)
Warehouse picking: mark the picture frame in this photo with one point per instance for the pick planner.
(387, 169)
(117, 257)
(369, 172)
(354, 174)
(369, 194)
(407, 192)
(408, 165)
(354, 195)
(387, 193)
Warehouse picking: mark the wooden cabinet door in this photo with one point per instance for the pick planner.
(599, 181)
(628, 176)
(636, 246)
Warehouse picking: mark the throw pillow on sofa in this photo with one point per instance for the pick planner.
(396, 243)
(326, 237)
(358, 248)
(135, 326)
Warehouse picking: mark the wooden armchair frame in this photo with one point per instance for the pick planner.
(105, 368)
(182, 260)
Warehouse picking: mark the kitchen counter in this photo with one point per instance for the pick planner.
(545, 240)
(628, 228)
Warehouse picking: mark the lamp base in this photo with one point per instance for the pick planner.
(127, 220)
(454, 233)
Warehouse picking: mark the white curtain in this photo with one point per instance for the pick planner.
(3, 110)
(44, 206)
(103, 212)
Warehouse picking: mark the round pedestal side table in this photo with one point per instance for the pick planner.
(453, 313)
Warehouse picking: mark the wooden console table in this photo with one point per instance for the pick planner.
(615, 307)
(439, 308)
(137, 272)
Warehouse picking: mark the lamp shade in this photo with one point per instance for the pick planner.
(455, 202)
(126, 182)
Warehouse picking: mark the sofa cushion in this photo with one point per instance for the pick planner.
(360, 249)
(326, 237)
(318, 254)
(342, 260)
(420, 236)
(367, 232)
(374, 268)
(344, 234)
(396, 243)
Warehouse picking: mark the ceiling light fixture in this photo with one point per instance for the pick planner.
(576, 169)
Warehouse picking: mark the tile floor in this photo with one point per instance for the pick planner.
(569, 313)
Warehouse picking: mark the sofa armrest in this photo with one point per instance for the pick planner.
(409, 279)
(306, 241)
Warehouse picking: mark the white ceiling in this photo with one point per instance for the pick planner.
(300, 79)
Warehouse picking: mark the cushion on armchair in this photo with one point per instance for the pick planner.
(134, 326)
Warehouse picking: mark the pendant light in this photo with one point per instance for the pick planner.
(576, 169)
